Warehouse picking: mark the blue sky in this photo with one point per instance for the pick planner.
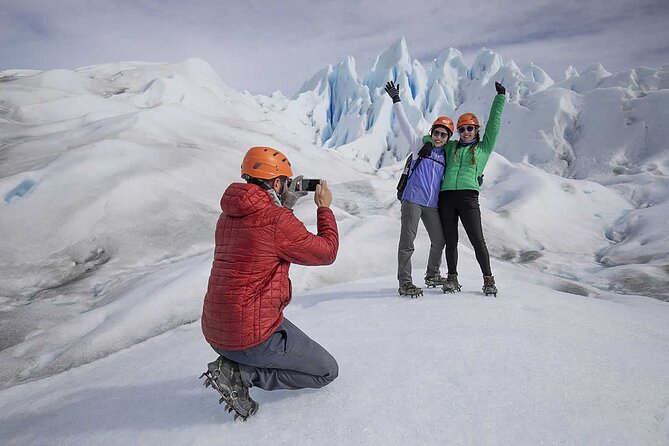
(266, 46)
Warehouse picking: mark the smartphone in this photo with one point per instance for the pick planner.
(307, 184)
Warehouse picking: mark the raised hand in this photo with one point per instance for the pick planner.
(393, 91)
(500, 88)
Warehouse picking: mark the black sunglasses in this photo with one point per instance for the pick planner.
(439, 134)
(466, 128)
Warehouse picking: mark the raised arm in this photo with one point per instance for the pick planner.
(415, 142)
(494, 120)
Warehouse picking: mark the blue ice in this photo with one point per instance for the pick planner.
(19, 190)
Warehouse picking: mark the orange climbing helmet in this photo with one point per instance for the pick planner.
(468, 119)
(444, 121)
(265, 163)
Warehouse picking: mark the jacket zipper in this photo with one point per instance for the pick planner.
(457, 177)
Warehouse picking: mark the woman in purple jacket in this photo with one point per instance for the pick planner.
(420, 197)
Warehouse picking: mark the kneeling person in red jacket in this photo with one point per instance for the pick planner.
(257, 238)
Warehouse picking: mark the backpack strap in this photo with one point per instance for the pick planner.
(414, 167)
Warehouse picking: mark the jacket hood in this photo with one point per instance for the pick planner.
(242, 199)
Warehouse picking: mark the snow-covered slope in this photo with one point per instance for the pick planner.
(535, 366)
(109, 187)
(110, 176)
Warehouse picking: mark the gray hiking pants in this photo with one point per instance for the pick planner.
(289, 359)
(412, 213)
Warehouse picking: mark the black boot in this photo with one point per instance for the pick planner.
(489, 285)
(409, 289)
(452, 285)
(224, 376)
(435, 281)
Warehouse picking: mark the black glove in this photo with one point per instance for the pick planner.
(393, 91)
(500, 88)
(290, 196)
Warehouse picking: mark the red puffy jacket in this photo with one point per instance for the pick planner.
(256, 241)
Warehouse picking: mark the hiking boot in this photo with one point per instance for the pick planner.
(409, 289)
(224, 376)
(489, 285)
(435, 281)
(452, 285)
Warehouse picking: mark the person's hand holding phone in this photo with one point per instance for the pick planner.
(323, 195)
(290, 194)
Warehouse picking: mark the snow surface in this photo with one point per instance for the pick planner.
(535, 366)
(109, 187)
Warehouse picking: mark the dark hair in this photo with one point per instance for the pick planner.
(265, 184)
(426, 150)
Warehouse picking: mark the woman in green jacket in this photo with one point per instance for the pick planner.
(459, 195)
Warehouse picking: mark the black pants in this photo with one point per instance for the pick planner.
(463, 205)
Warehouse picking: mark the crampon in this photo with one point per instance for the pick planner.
(409, 289)
(435, 281)
(224, 377)
(452, 285)
(489, 286)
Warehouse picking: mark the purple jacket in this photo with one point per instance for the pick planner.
(424, 182)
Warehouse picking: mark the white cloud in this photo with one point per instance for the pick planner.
(264, 47)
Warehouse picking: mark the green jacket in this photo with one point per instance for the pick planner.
(460, 173)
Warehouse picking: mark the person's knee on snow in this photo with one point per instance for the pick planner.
(331, 375)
